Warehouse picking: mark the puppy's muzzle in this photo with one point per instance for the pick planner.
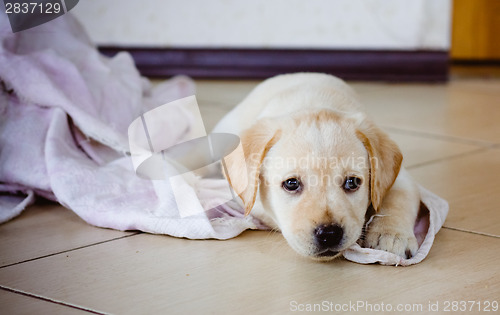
(328, 238)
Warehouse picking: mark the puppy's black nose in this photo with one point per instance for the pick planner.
(328, 236)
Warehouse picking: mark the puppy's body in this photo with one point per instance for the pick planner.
(307, 145)
(286, 94)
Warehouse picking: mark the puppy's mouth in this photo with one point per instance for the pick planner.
(328, 253)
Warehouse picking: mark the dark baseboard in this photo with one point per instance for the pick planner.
(476, 62)
(262, 63)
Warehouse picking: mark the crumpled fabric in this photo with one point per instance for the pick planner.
(431, 217)
(64, 114)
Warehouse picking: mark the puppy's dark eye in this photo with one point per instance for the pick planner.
(291, 184)
(352, 184)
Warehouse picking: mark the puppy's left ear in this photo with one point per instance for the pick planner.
(242, 169)
(385, 159)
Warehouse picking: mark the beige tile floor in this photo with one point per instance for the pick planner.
(51, 262)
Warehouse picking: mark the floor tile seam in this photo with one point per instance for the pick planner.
(223, 105)
(470, 231)
(447, 158)
(442, 137)
(50, 300)
(473, 91)
(69, 250)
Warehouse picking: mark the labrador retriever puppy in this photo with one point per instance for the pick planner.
(313, 164)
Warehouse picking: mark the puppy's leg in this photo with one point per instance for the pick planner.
(392, 227)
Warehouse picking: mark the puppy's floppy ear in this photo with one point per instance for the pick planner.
(385, 159)
(242, 169)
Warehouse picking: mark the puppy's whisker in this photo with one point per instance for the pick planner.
(272, 232)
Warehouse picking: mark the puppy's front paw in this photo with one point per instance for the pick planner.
(391, 239)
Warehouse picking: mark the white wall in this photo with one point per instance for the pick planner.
(329, 24)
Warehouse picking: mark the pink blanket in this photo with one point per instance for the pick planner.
(65, 111)
(64, 114)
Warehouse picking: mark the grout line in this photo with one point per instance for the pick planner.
(471, 232)
(221, 105)
(69, 250)
(40, 297)
(481, 143)
(448, 158)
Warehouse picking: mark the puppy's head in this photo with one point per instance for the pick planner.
(316, 174)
